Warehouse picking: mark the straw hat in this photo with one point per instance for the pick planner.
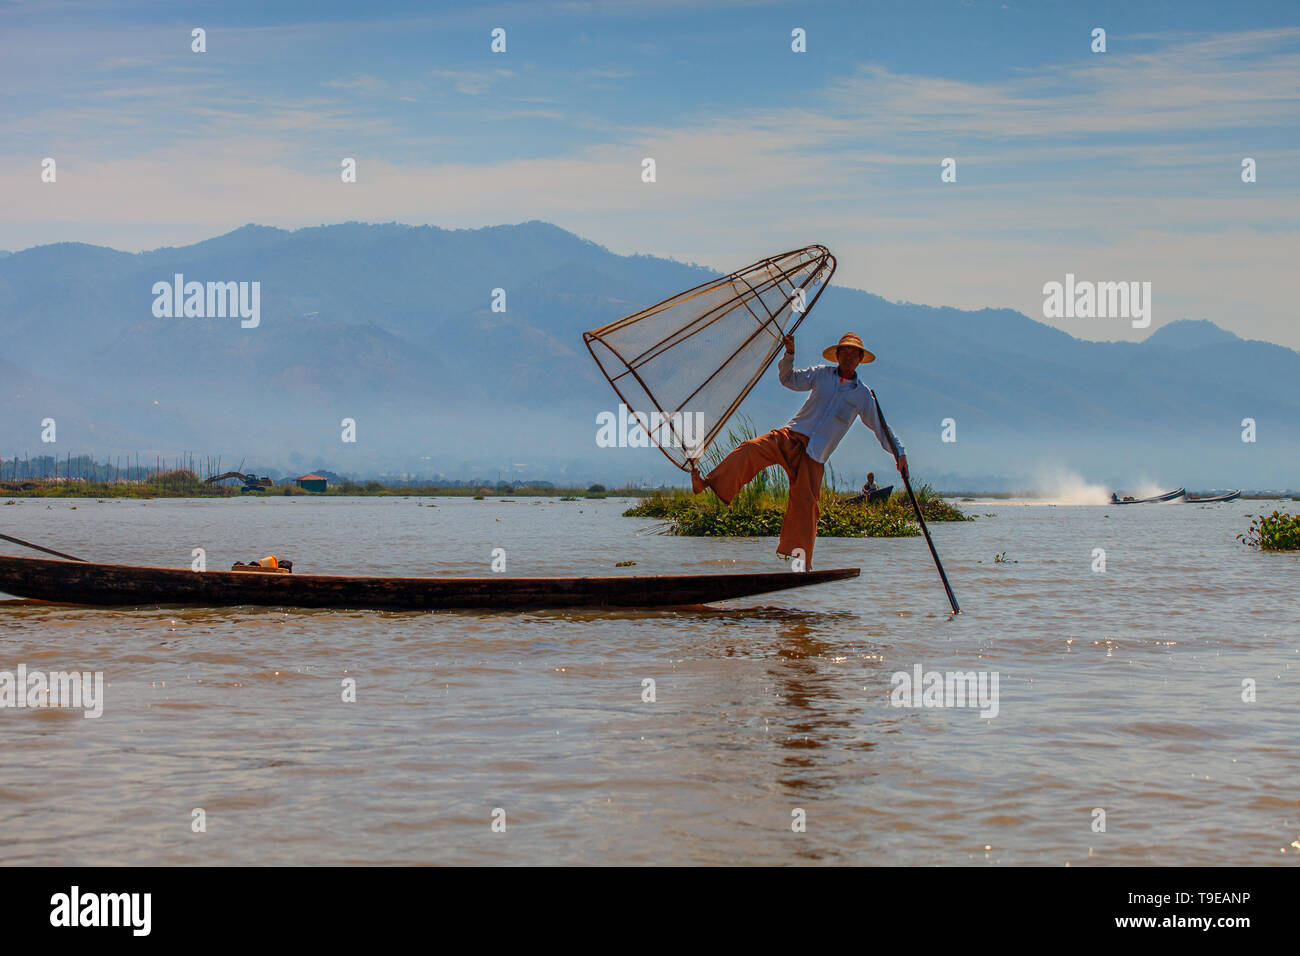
(848, 338)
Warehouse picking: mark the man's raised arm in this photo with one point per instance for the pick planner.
(798, 381)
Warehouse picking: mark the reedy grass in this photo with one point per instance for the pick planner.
(182, 483)
(759, 508)
(176, 483)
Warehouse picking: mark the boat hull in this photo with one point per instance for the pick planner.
(1214, 499)
(1168, 496)
(873, 498)
(116, 585)
(880, 494)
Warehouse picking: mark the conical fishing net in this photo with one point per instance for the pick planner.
(682, 367)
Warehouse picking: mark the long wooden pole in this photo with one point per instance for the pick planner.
(952, 598)
(37, 547)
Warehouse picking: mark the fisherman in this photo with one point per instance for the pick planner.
(871, 485)
(807, 440)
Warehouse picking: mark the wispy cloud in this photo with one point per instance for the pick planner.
(1198, 87)
(360, 82)
(474, 83)
(1123, 165)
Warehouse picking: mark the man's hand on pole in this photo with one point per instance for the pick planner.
(901, 463)
(789, 344)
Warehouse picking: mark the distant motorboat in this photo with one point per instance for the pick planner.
(1115, 499)
(1233, 496)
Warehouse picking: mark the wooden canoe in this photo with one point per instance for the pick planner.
(72, 582)
(874, 497)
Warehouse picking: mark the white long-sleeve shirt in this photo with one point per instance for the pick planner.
(831, 408)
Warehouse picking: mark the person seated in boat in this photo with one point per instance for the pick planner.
(804, 444)
(871, 485)
(1114, 497)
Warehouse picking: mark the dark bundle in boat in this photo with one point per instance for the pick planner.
(271, 564)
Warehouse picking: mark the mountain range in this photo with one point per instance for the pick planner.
(392, 326)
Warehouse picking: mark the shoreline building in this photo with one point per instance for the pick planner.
(312, 482)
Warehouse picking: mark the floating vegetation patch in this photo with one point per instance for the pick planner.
(1276, 532)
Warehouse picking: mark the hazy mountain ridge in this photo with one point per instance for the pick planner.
(393, 325)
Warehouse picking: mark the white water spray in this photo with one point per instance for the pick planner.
(1058, 485)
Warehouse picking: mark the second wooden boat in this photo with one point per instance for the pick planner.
(1231, 496)
(75, 582)
(875, 497)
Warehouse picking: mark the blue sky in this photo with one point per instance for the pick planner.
(1116, 166)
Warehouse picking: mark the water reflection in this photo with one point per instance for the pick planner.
(764, 705)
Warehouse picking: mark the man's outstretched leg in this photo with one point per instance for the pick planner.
(744, 462)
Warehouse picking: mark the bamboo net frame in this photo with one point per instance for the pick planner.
(684, 365)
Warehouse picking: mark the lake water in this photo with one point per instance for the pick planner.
(1119, 690)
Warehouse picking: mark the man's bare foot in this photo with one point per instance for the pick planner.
(698, 484)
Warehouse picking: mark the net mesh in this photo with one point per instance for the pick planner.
(683, 366)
